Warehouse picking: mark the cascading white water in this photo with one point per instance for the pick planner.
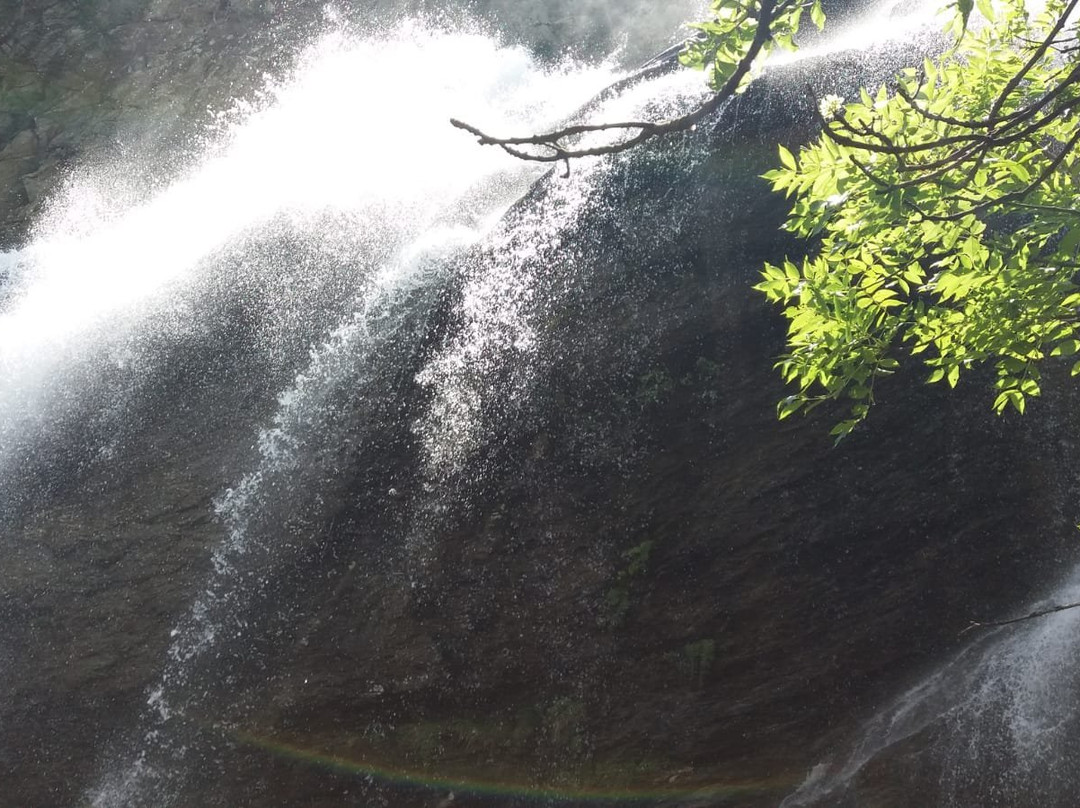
(106, 258)
(354, 152)
(501, 299)
(995, 721)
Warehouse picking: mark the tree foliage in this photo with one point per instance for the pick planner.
(944, 211)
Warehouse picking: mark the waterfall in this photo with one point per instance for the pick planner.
(338, 197)
(109, 261)
(348, 163)
(992, 726)
(319, 345)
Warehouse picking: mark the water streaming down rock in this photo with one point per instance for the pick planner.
(365, 366)
(107, 262)
(522, 520)
(264, 244)
(994, 726)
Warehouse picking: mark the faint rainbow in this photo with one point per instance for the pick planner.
(480, 787)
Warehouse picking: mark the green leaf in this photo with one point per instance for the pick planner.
(787, 158)
(1016, 398)
(1070, 241)
(914, 274)
(843, 429)
(788, 406)
(1018, 171)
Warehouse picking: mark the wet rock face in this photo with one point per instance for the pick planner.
(646, 581)
(650, 582)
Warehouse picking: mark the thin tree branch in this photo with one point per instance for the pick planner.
(1015, 196)
(1040, 613)
(995, 133)
(1047, 208)
(893, 149)
(1040, 51)
(557, 151)
(933, 116)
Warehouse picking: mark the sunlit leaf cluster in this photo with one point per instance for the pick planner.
(943, 215)
(726, 38)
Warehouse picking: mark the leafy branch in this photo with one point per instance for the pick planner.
(942, 210)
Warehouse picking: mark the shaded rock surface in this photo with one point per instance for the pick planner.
(642, 585)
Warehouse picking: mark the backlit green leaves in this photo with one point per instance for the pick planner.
(725, 39)
(944, 212)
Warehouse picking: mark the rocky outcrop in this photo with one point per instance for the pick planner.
(651, 585)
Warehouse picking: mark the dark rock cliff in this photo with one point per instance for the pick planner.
(651, 584)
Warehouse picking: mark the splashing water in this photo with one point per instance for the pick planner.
(402, 195)
(353, 151)
(501, 301)
(992, 724)
(896, 21)
(108, 258)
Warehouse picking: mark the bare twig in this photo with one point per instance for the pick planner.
(1038, 54)
(1015, 196)
(1040, 613)
(553, 148)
